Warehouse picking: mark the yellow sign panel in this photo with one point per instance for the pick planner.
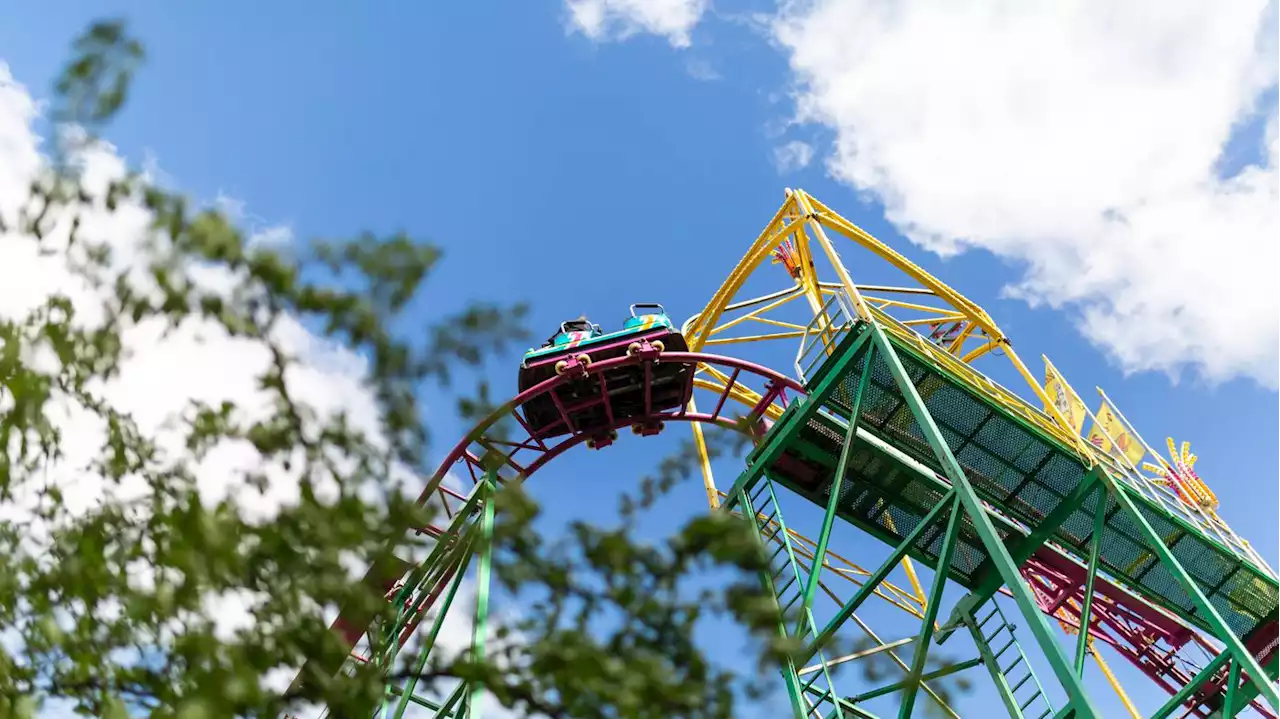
(1109, 425)
(1063, 397)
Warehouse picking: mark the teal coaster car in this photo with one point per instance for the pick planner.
(648, 322)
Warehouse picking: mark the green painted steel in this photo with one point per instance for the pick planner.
(1222, 629)
(406, 694)
(885, 434)
(1011, 675)
(1025, 475)
(1233, 687)
(833, 503)
(1187, 690)
(1021, 549)
(991, 541)
(927, 676)
(789, 670)
(481, 622)
(865, 591)
(925, 638)
(992, 664)
(799, 412)
(1091, 574)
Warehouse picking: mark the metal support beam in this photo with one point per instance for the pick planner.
(906, 683)
(1095, 551)
(837, 481)
(480, 627)
(868, 588)
(799, 413)
(429, 642)
(1007, 568)
(1021, 550)
(1235, 647)
(914, 678)
(1190, 687)
(1233, 690)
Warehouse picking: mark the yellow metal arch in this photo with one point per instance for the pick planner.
(800, 221)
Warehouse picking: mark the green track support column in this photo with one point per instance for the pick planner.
(833, 502)
(453, 707)
(1233, 689)
(925, 638)
(1186, 691)
(440, 573)
(1095, 552)
(868, 587)
(799, 412)
(406, 693)
(1235, 648)
(480, 627)
(790, 670)
(1021, 550)
(1003, 562)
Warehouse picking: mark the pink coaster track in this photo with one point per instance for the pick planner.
(1146, 636)
(516, 458)
(1142, 634)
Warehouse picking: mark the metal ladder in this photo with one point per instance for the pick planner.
(998, 644)
(787, 577)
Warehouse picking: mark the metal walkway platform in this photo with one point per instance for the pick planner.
(1020, 471)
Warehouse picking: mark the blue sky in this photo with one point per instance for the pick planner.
(576, 175)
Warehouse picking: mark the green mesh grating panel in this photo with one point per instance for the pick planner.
(883, 497)
(1022, 473)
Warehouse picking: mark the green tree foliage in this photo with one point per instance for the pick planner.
(607, 627)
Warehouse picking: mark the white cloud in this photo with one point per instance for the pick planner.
(602, 20)
(794, 155)
(163, 371)
(700, 69)
(1080, 139)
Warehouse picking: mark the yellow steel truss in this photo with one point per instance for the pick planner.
(922, 301)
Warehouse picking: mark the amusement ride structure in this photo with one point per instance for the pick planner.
(1061, 547)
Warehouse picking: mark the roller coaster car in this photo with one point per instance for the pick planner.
(600, 401)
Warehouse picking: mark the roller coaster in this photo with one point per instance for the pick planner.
(1065, 548)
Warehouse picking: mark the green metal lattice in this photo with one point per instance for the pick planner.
(1023, 473)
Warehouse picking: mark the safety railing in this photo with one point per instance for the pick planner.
(827, 328)
(837, 316)
(1211, 525)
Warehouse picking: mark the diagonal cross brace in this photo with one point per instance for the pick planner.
(868, 587)
(999, 554)
(1021, 550)
(799, 413)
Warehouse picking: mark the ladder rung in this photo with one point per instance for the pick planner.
(787, 586)
(1027, 703)
(1048, 711)
(1016, 661)
(1016, 687)
(983, 623)
(1005, 648)
(817, 674)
